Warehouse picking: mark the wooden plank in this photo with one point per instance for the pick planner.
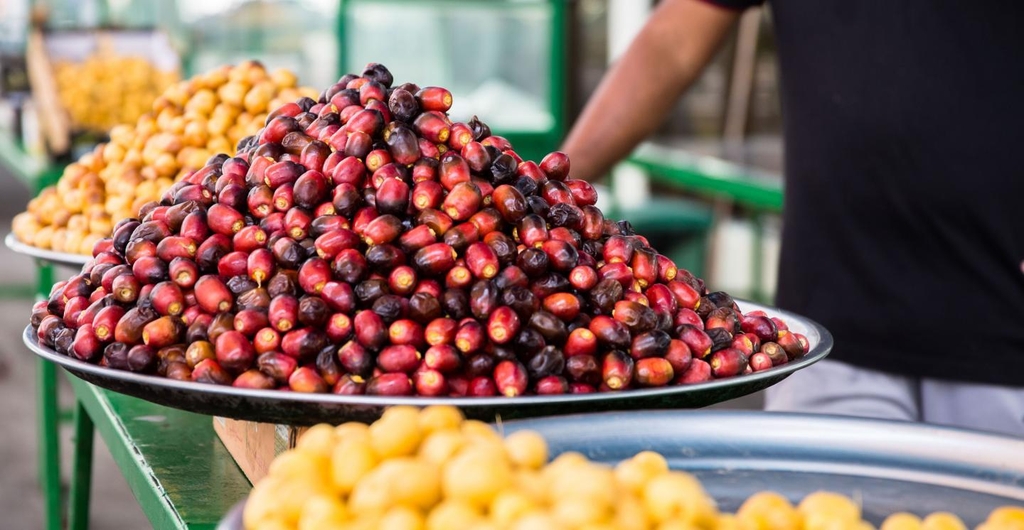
(52, 117)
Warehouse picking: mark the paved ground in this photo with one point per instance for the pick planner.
(21, 505)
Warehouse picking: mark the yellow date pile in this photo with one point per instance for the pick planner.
(434, 470)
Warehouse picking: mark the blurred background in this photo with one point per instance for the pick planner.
(706, 189)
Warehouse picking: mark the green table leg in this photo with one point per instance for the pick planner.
(49, 422)
(81, 474)
(49, 444)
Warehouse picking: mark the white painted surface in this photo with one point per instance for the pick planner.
(625, 18)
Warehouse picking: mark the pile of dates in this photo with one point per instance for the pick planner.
(363, 243)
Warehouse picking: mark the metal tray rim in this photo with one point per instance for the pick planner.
(60, 258)
(818, 351)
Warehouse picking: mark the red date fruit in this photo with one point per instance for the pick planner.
(313, 275)
(697, 340)
(167, 299)
(654, 371)
(125, 288)
(510, 378)
(667, 270)
(283, 313)
(442, 357)
(760, 362)
(249, 239)
(645, 266)
(727, 363)
(416, 239)
(532, 230)
(463, 200)
(232, 264)
(86, 346)
(406, 332)
(679, 356)
(617, 370)
(304, 343)
(762, 327)
(430, 383)
(390, 384)
(690, 317)
(434, 98)
(441, 331)
(461, 136)
(503, 325)
(698, 372)
(150, 270)
(555, 165)
(427, 194)
(433, 126)
(742, 343)
(163, 331)
(306, 379)
(213, 295)
(209, 371)
(234, 351)
(481, 260)
(653, 343)
(266, 340)
(452, 170)
(435, 259)
(383, 229)
(369, 330)
(278, 366)
(510, 203)
(552, 385)
(350, 385)
(398, 358)
(775, 352)
(105, 322)
(254, 379)
(470, 337)
(249, 321)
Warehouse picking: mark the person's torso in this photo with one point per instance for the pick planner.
(904, 181)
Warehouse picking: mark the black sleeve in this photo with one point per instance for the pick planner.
(735, 4)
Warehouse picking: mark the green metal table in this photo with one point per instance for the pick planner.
(177, 468)
(711, 176)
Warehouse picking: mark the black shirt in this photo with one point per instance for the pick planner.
(904, 215)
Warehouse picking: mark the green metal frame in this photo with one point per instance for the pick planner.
(530, 145)
(177, 468)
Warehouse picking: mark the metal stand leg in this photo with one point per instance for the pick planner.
(49, 444)
(48, 417)
(81, 474)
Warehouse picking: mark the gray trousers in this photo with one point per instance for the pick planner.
(832, 387)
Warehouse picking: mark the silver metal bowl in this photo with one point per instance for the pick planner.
(887, 466)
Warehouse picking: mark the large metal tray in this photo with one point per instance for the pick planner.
(888, 466)
(295, 408)
(66, 259)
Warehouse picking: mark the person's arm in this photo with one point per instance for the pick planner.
(678, 40)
